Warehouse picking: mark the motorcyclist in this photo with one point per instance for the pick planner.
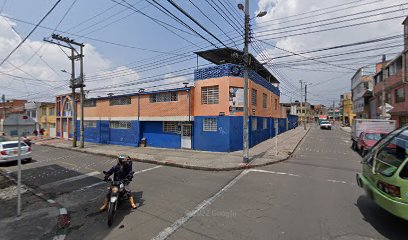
(122, 171)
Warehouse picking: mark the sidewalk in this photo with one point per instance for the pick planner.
(38, 219)
(261, 154)
(346, 129)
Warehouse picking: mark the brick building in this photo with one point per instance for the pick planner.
(207, 116)
(394, 75)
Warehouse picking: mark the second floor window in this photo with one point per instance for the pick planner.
(276, 104)
(52, 111)
(264, 100)
(164, 97)
(120, 101)
(44, 111)
(210, 95)
(253, 98)
(400, 95)
(90, 103)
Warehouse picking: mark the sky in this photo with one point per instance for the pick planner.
(135, 44)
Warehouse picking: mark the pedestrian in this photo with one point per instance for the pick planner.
(42, 131)
(35, 132)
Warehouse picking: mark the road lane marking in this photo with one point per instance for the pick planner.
(181, 221)
(63, 211)
(101, 183)
(67, 180)
(295, 175)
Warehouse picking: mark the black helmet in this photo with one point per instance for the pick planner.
(122, 159)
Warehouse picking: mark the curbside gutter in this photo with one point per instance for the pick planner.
(173, 164)
(63, 220)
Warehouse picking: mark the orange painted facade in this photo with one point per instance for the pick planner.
(225, 83)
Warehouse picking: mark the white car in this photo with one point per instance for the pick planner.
(325, 125)
(9, 151)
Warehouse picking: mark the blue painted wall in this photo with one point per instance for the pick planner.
(153, 132)
(236, 133)
(127, 137)
(103, 134)
(218, 141)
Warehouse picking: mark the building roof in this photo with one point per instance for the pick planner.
(229, 55)
(405, 21)
(389, 62)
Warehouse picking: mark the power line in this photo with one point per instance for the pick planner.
(334, 18)
(29, 34)
(195, 21)
(334, 28)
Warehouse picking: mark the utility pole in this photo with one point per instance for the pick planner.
(75, 82)
(334, 114)
(81, 76)
(384, 76)
(3, 98)
(74, 105)
(246, 62)
(306, 115)
(301, 102)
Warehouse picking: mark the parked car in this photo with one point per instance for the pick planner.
(384, 175)
(367, 140)
(325, 125)
(9, 151)
(365, 125)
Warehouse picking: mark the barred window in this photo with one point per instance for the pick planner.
(89, 124)
(164, 97)
(210, 125)
(254, 124)
(209, 95)
(171, 127)
(264, 100)
(265, 123)
(90, 103)
(276, 104)
(43, 111)
(253, 99)
(120, 101)
(120, 124)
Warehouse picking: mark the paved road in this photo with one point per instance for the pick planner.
(313, 195)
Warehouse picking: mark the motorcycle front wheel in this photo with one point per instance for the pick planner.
(111, 213)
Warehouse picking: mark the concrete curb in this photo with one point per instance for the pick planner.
(173, 164)
(63, 220)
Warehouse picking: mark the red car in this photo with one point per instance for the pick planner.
(367, 140)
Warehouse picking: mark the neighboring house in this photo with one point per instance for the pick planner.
(24, 125)
(63, 118)
(9, 107)
(394, 75)
(347, 109)
(361, 91)
(43, 113)
(207, 116)
(47, 119)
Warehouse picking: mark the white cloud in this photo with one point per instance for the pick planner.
(50, 78)
(281, 9)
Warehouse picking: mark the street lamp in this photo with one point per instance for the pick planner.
(246, 61)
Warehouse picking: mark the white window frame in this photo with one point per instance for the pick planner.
(120, 101)
(120, 124)
(89, 124)
(164, 97)
(265, 100)
(253, 97)
(210, 95)
(210, 125)
(171, 127)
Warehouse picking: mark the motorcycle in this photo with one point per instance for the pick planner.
(117, 192)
